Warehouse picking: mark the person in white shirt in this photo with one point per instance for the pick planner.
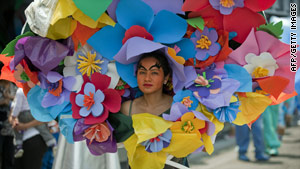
(32, 136)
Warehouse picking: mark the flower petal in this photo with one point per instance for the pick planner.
(79, 99)
(100, 81)
(89, 88)
(112, 100)
(97, 109)
(84, 112)
(168, 27)
(53, 77)
(187, 116)
(108, 40)
(90, 119)
(132, 12)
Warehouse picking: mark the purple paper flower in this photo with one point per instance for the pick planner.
(91, 101)
(205, 82)
(206, 43)
(58, 86)
(226, 6)
(94, 138)
(158, 143)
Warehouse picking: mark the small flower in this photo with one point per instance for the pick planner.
(97, 132)
(226, 6)
(206, 83)
(173, 53)
(188, 123)
(260, 66)
(98, 137)
(186, 98)
(228, 113)
(90, 63)
(58, 86)
(90, 101)
(156, 144)
(206, 43)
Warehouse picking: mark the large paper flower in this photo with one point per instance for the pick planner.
(135, 18)
(206, 43)
(258, 43)
(95, 97)
(207, 9)
(99, 137)
(58, 88)
(214, 98)
(147, 127)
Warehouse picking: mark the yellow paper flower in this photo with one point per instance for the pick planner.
(147, 126)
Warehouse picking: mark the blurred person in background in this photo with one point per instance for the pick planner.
(242, 134)
(34, 146)
(270, 121)
(6, 131)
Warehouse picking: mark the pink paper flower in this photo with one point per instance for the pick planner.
(260, 43)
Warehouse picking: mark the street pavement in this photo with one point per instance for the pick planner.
(225, 155)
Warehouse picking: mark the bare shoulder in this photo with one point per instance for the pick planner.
(125, 107)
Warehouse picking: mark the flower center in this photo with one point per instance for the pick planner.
(121, 85)
(89, 100)
(187, 101)
(155, 139)
(227, 3)
(203, 42)
(187, 127)
(260, 72)
(202, 81)
(88, 65)
(55, 88)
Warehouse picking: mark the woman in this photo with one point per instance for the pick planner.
(153, 72)
(33, 144)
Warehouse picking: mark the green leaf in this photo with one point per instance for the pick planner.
(273, 29)
(9, 50)
(196, 22)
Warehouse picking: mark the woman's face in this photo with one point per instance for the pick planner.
(150, 76)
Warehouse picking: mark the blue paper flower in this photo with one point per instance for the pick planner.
(186, 98)
(136, 18)
(227, 113)
(91, 101)
(158, 143)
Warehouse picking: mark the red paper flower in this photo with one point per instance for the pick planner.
(241, 20)
(111, 102)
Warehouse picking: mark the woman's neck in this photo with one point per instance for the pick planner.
(153, 99)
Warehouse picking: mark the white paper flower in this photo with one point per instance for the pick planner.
(260, 66)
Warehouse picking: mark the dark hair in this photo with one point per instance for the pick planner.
(160, 57)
